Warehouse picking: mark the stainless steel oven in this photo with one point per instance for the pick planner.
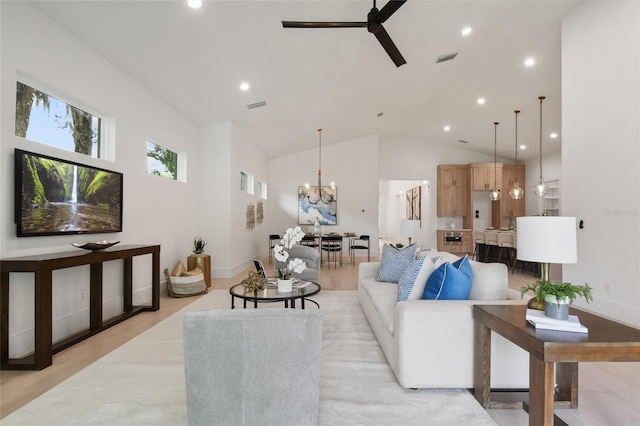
(452, 238)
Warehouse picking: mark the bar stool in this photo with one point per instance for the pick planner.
(505, 240)
(480, 243)
(491, 240)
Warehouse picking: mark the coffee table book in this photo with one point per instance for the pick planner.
(542, 322)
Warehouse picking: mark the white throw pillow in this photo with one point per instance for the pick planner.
(411, 284)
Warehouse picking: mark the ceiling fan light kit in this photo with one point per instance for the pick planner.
(375, 19)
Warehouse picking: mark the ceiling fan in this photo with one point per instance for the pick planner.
(375, 19)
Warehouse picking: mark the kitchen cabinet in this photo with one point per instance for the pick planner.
(456, 241)
(453, 191)
(485, 175)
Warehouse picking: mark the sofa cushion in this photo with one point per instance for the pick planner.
(411, 284)
(383, 299)
(450, 281)
(394, 261)
(490, 281)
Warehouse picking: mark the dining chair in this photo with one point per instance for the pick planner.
(359, 243)
(332, 245)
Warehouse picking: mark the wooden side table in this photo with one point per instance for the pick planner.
(202, 261)
(607, 340)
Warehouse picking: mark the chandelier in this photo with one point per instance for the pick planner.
(516, 192)
(320, 194)
(495, 194)
(540, 188)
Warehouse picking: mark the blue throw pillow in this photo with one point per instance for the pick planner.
(450, 281)
(394, 261)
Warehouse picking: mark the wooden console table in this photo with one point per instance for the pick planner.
(42, 267)
(606, 341)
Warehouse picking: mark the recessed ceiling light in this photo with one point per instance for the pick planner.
(244, 86)
(529, 62)
(523, 147)
(553, 135)
(447, 128)
(380, 114)
(480, 101)
(194, 4)
(466, 31)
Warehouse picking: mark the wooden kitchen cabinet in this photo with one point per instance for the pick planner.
(455, 241)
(453, 191)
(484, 175)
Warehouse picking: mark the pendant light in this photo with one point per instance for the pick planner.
(495, 194)
(540, 188)
(516, 192)
(325, 198)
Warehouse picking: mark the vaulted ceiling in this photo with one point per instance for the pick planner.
(340, 79)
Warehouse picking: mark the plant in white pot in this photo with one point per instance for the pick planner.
(557, 296)
(291, 237)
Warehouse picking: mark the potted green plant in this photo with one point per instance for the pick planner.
(198, 245)
(555, 298)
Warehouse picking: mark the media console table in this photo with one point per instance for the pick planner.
(42, 267)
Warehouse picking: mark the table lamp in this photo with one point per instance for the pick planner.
(409, 228)
(547, 239)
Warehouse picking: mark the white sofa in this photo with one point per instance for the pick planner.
(429, 343)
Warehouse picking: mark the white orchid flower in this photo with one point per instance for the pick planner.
(297, 265)
(280, 254)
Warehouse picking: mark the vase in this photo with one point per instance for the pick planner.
(554, 308)
(285, 286)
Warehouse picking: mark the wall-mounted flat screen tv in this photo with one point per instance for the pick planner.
(57, 197)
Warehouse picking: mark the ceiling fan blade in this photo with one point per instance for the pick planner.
(390, 47)
(303, 24)
(390, 8)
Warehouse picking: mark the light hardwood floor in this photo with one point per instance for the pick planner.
(617, 385)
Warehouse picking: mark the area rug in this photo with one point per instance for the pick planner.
(142, 382)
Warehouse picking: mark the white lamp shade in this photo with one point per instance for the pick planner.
(547, 239)
(409, 228)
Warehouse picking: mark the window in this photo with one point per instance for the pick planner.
(43, 118)
(246, 182)
(162, 161)
(262, 190)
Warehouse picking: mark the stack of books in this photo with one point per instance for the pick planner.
(542, 322)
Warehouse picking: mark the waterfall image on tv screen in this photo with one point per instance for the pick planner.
(55, 196)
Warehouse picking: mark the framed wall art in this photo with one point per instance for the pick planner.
(317, 204)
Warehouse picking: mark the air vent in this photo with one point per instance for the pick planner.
(257, 105)
(462, 141)
(447, 57)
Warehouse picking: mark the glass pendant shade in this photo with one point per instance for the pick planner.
(540, 189)
(516, 192)
(495, 195)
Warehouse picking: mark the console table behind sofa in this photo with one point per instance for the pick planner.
(42, 267)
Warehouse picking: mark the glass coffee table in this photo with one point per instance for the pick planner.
(270, 294)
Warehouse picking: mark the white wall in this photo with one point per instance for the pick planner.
(393, 205)
(352, 165)
(601, 152)
(156, 210)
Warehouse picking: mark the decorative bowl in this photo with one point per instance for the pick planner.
(96, 246)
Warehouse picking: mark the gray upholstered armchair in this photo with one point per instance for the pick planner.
(252, 367)
(310, 256)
